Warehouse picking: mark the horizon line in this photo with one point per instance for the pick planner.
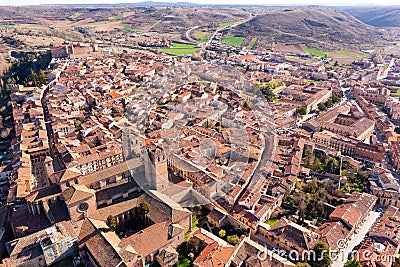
(190, 3)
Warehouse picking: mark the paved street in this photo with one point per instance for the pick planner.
(357, 238)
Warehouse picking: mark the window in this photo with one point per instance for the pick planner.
(83, 207)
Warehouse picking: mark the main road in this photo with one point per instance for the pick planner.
(204, 45)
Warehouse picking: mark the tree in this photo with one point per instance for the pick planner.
(232, 239)
(302, 212)
(33, 78)
(322, 257)
(42, 77)
(322, 107)
(352, 263)
(268, 89)
(78, 125)
(112, 222)
(222, 233)
(303, 110)
(312, 186)
(332, 166)
(144, 208)
(193, 245)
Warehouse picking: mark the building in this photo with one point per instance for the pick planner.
(346, 219)
(44, 247)
(288, 235)
(137, 250)
(381, 246)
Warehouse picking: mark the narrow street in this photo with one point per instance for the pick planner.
(356, 239)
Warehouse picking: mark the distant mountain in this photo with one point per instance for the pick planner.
(377, 16)
(320, 28)
(139, 4)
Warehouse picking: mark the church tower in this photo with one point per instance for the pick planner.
(156, 169)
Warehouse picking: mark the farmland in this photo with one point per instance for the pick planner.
(127, 27)
(233, 40)
(201, 36)
(313, 52)
(289, 48)
(227, 24)
(5, 26)
(119, 16)
(252, 43)
(179, 51)
(183, 45)
(75, 16)
(349, 54)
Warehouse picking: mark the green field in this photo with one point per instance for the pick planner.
(183, 45)
(119, 16)
(68, 38)
(272, 222)
(352, 54)
(233, 40)
(313, 52)
(76, 15)
(396, 94)
(201, 36)
(227, 24)
(252, 43)
(5, 26)
(127, 27)
(179, 51)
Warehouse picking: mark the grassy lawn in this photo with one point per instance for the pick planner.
(183, 45)
(352, 54)
(201, 36)
(229, 231)
(179, 51)
(76, 15)
(272, 222)
(233, 40)
(227, 24)
(119, 16)
(313, 52)
(252, 43)
(183, 262)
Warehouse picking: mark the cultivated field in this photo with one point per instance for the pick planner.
(233, 40)
(289, 48)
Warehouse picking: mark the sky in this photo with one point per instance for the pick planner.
(254, 2)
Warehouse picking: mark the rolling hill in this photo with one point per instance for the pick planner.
(377, 16)
(319, 28)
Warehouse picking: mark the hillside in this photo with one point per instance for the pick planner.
(318, 28)
(377, 16)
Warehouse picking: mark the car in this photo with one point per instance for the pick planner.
(379, 209)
